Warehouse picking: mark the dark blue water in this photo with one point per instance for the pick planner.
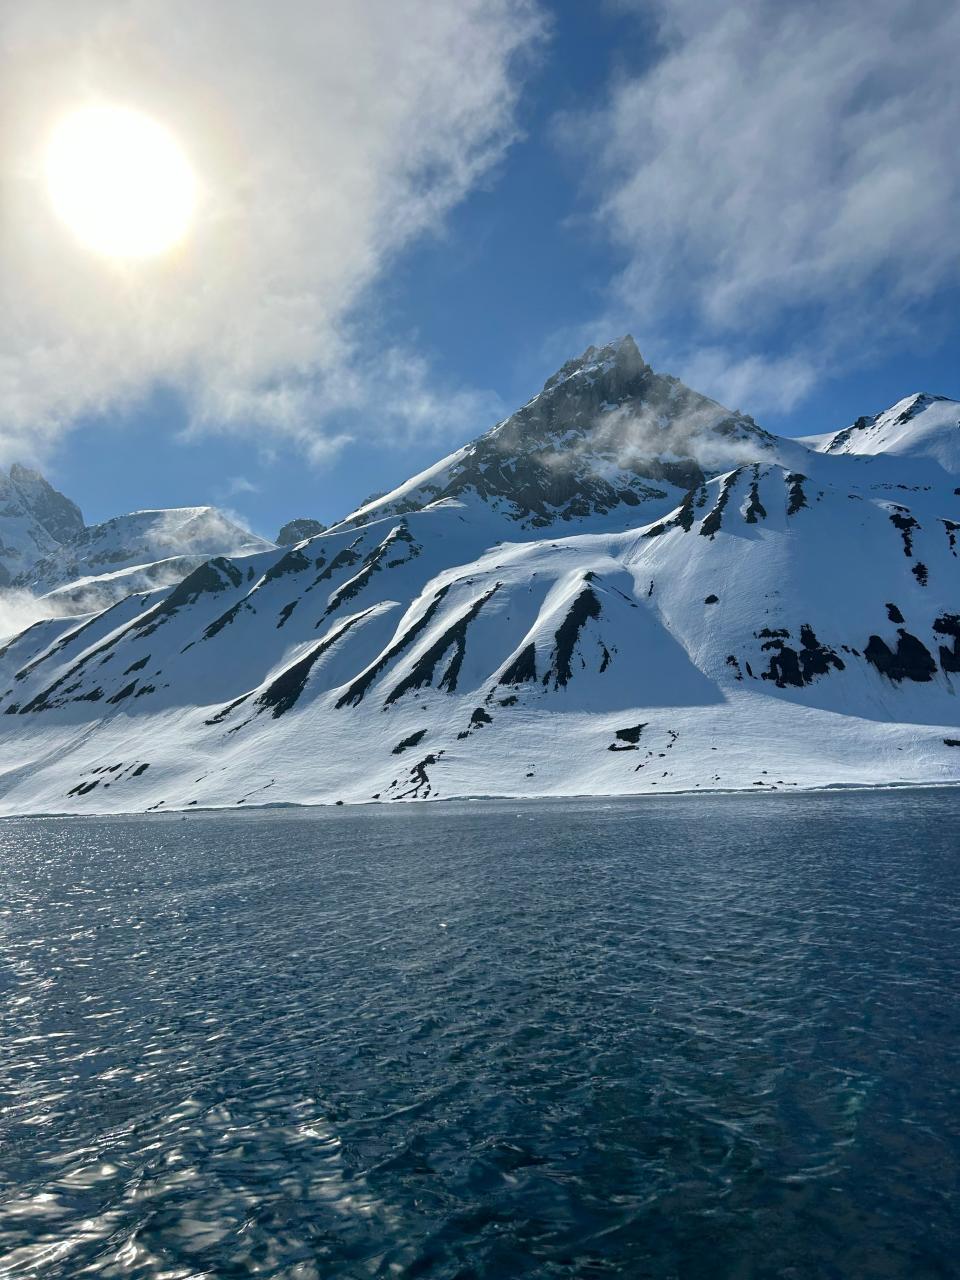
(710, 1037)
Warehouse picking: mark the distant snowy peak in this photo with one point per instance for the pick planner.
(177, 537)
(605, 436)
(34, 520)
(920, 426)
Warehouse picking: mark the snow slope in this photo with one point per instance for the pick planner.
(920, 426)
(771, 626)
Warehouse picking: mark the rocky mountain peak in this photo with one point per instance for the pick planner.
(61, 518)
(605, 434)
(297, 530)
(621, 357)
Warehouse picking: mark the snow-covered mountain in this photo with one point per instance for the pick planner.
(773, 616)
(921, 426)
(35, 519)
(47, 551)
(136, 552)
(607, 441)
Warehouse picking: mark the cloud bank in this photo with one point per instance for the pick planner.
(325, 138)
(781, 165)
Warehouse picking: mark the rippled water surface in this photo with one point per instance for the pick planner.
(710, 1037)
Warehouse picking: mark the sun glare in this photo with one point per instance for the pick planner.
(120, 182)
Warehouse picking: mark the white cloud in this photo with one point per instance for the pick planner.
(757, 384)
(782, 163)
(237, 485)
(325, 138)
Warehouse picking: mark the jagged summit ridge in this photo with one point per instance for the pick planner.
(605, 436)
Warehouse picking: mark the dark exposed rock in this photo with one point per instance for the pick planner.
(910, 660)
(628, 738)
(584, 607)
(217, 625)
(293, 562)
(893, 613)
(358, 687)
(755, 509)
(789, 666)
(344, 559)
(711, 523)
(283, 693)
(298, 530)
(419, 778)
(784, 667)
(372, 563)
(683, 519)
(216, 575)
(455, 637)
(83, 788)
(904, 521)
(123, 693)
(948, 624)
(816, 659)
(522, 668)
(413, 740)
(796, 496)
(921, 573)
(711, 599)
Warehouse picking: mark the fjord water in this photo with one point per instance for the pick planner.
(704, 1037)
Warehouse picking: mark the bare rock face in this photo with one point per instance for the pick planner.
(296, 530)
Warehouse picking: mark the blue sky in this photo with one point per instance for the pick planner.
(764, 198)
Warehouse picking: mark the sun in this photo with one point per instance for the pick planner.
(120, 182)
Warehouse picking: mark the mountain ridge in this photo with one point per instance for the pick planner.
(773, 625)
(606, 435)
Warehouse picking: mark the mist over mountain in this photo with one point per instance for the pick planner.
(624, 587)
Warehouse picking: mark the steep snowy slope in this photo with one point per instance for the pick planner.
(34, 520)
(921, 426)
(773, 627)
(137, 552)
(606, 440)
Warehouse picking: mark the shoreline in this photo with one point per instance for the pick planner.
(324, 806)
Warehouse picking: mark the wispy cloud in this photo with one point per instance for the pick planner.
(326, 138)
(755, 383)
(780, 165)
